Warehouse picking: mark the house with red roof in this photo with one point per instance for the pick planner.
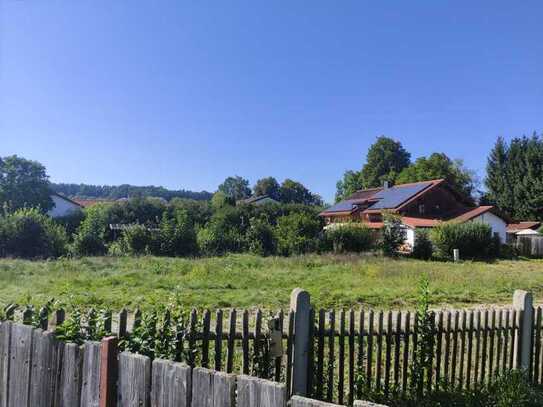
(420, 205)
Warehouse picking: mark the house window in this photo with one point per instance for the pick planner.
(421, 209)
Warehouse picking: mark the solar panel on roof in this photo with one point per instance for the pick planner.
(392, 197)
(342, 206)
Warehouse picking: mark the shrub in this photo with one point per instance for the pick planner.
(71, 222)
(423, 245)
(90, 238)
(297, 233)
(260, 237)
(473, 239)
(394, 234)
(29, 234)
(354, 238)
(177, 236)
(138, 239)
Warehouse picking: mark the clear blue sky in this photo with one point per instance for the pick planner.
(183, 94)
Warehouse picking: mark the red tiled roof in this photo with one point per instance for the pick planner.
(472, 213)
(420, 222)
(515, 227)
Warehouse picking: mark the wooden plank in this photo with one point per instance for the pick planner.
(122, 324)
(245, 342)
(537, 353)
(134, 380)
(256, 342)
(352, 335)
(470, 349)
(514, 333)
(369, 352)
(44, 318)
(461, 372)
(507, 317)
(379, 353)
(492, 328)
(71, 376)
(447, 364)
(206, 327)
(341, 357)
(202, 387)
(218, 340)
(171, 384)
(90, 377)
(430, 371)
(499, 335)
(5, 337)
(415, 343)
(388, 351)
(397, 346)
(231, 341)
(405, 361)
(298, 401)
(109, 352)
(360, 357)
(331, 354)
(454, 360)
(320, 354)
(193, 322)
(45, 368)
(19, 366)
(290, 340)
(224, 390)
(279, 359)
(439, 347)
(484, 347)
(311, 353)
(254, 392)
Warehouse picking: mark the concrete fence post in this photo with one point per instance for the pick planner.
(456, 255)
(300, 303)
(523, 302)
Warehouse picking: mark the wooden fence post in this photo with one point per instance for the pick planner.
(108, 371)
(300, 303)
(523, 301)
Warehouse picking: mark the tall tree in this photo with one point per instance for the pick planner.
(438, 165)
(295, 192)
(268, 186)
(351, 182)
(385, 160)
(236, 188)
(24, 183)
(497, 179)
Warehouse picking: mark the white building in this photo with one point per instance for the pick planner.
(62, 206)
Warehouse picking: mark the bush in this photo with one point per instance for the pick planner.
(260, 237)
(473, 239)
(71, 222)
(177, 236)
(297, 233)
(353, 238)
(90, 239)
(394, 234)
(138, 240)
(423, 245)
(29, 234)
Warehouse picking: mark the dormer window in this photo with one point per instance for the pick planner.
(421, 209)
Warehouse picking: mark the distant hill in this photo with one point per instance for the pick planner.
(86, 191)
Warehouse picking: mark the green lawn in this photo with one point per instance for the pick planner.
(247, 281)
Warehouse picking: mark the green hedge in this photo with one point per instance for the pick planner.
(473, 239)
(350, 238)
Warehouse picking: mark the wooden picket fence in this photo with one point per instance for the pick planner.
(352, 354)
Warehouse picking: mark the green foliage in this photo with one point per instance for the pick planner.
(24, 184)
(79, 327)
(385, 160)
(436, 166)
(423, 245)
(350, 238)
(224, 232)
(394, 234)
(71, 222)
(90, 239)
(220, 200)
(177, 236)
(268, 186)
(260, 237)
(139, 240)
(297, 233)
(125, 191)
(515, 177)
(29, 234)
(473, 239)
(352, 181)
(236, 188)
(295, 192)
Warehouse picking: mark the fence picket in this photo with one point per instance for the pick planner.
(245, 342)
(341, 357)
(439, 346)
(231, 341)
(491, 338)
(352, 334)
(388, 351)
(397, 345)
(320, 353)
(405, 365)
(446, 370)
(218, 340)
(331, 354)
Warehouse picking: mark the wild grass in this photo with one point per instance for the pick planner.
(250, 281)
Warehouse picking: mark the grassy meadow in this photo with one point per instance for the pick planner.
(247, 281)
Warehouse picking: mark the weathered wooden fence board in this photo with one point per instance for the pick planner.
(5, 335)
(134, 380)
(19, 368)
(45, 368)
(90, 380)
(297, 401)
(224, 389)
(171, 384)
(69, 387)
(254, 392)
(202, 387)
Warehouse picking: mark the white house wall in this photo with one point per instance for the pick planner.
(497, 224)
(62, 207)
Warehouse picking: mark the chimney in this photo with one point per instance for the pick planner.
(385, 184)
